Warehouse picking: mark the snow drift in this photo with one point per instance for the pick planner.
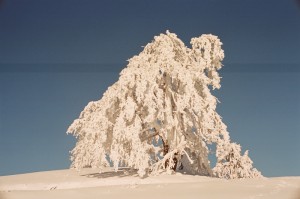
(89, 183)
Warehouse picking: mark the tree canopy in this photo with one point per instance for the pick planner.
(161, 116)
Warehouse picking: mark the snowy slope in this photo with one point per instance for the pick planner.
(88, 183)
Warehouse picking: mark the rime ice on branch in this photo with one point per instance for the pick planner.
(161, 116)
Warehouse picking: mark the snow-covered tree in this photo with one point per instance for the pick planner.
(161, 116)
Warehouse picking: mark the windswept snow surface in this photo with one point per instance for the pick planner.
(89, 183)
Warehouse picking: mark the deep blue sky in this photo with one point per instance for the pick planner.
(56, 56)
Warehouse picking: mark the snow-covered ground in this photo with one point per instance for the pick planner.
(89, 183)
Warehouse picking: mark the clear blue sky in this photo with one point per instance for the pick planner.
(56, 56)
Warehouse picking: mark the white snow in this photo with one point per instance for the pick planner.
(89, 183)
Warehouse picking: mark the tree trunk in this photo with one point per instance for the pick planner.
(165, 151)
